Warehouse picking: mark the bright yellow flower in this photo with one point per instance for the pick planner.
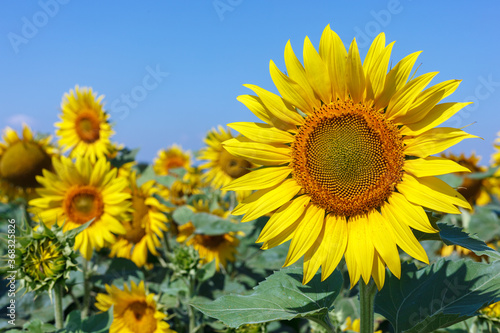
(353, 326)
(134, 310)
(171, 158)
(144, 227)
(79, 192)
(347, 160)
(21, 160)
(492, 310)
(222, 166)
(84, 128)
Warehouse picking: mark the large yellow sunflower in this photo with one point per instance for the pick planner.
(21, 160)
(221, 248)
(144, 226)
(84, 128)
(222, 166)
(171, 158)
(79, 192)
(134, 310)
(347, 154)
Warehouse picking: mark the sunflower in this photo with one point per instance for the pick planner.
(79, 192)
(492, 310)
(221, 248)
(144, 227)
(346, 155)
(353, 326)
(21, 160)
(474, 190)
(222, 166)
(171, 158)
(85, 129)
(134, 310)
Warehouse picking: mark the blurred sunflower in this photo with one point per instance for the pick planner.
(492, 310)
(353, 326)
(171, 158)
(84, 128)
(79, 192)
(346, 151)
(21, 160)
(475, 191)
(221, 248)
(191, 183)
(134, 310)
(222, 166)
(144, 226)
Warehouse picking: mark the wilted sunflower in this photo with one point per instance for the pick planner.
(79, 192)
(222, 166)
(221, 248)
(84, 129)
(474, 190)
(350, 170)
(21, 160)
(171, 158)
(144, 226)
(134, 310)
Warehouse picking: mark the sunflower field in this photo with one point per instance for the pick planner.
(339, 211)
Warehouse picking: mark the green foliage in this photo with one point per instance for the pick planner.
(438, 295)
(280, 297)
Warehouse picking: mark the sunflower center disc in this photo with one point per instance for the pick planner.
(83, 203)
(139, 317)
(211, 242)
(22, 162)
(234, 167)
(348, 158)
(87, 126)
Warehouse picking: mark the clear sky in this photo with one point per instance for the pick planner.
(201, 52)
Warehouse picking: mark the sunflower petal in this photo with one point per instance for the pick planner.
(360, 249)
(317, 72)
(434, 141)
(262, 132)
(258, 153)
(255, 104)
(259, 179)
(432, 166)
(335, 243)
(412, 214)
(354, 74)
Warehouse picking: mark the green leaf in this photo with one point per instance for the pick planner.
(481, 175)
(206, 271)
(280, 297)
(438, 295)
(452, 235)
(73, 322)
(451, 179)
(149, 174)
(208, 224)
(36, 326)
(124, 156)
(182, 215)
(98, 323)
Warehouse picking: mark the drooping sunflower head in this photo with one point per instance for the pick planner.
(21, 160)
(223, 167)
(474, 190)
(346, 155)
(134, 310)
(79, 192)
(84, 129)
(221, 248)
(171, 158)
(144, 225)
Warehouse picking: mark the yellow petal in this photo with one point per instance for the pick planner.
(317, 72)
(409, 213)
(290, 90)
(254, 104)
(359, 252)
(432, 166)
(371, 61)
(314, 257)
(403, 99)
(307, 232)
(354, 74)
(262, 132)
(378, 73)
(378, 271)
(258, 153)
(432, 193)
(437, 115)
(434, 141)
(272, 200)
(259, 179)
(283, 218)
(278, 107)
(334, 243)
(337, 66)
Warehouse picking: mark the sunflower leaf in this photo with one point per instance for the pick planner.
(209, 224)
(438, 295)
(182, 215)
(452, 235)
(280, 297)
(482, 175)
(149, 174)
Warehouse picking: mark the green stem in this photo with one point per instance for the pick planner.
(325, 323)
(86, 289)
(191, 310)
(367, 306)
(58, 308)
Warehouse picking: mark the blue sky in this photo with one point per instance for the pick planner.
(202, 52)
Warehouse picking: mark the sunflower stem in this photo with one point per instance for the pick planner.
(58, 308)
(367, 305)
(191, 310)
(86, 291)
